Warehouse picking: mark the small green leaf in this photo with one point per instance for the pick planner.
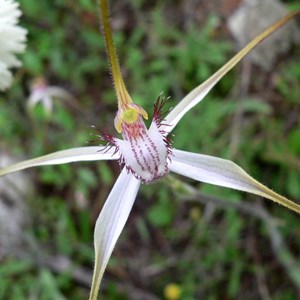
(161, 213)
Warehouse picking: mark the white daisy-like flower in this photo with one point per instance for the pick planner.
(12, 40)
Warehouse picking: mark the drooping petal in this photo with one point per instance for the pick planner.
(225, 173)
(196, 95)
(48, 104)
(110, 224)
(34, 98)
(65, 156)
(60, 93)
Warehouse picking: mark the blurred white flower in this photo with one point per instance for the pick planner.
(42, 92)
(12, 40)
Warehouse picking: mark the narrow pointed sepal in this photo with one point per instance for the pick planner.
(65, 156)
(110, 224)
(197, 94)
(225, 173)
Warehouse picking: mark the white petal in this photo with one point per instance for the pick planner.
(225, 173)
(34, 98)
(64, 156)
(60, 93)
(5, 77)
(48, 104)
(196, 95)
(110, 224)
(12, 40)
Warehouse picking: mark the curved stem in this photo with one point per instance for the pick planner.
(121, 91)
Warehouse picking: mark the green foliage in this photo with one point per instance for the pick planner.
(161, 213)
(288, 82)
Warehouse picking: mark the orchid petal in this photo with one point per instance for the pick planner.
(34, 98)
(225, 173)
(65, 156)
(110, 224)
(196, 95)
(47, 101)
(60, 93)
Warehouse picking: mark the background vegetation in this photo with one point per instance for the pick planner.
(241, 248)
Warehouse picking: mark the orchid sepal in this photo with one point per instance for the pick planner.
(222, 172)
(93, 153)
(111, 222)
(198, 93)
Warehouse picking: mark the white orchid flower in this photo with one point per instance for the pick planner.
(12, 40)
(42, 92)
(147, 154)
